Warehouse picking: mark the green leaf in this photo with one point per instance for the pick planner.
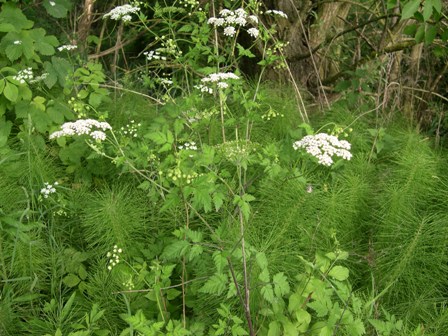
(437, 5)
(261, 260)
(57, 8)
(11, 92)
(13, 16)
(175, 250)
(244, 52)
(409, 9)
(274, 329)
(215, 285)
(420, 34)
(427, 9)
(268, 293)
(281, 285)
(195, 251)
(430, 34)
(67, 307)
(55, 115)
(339, 273)
(14, 51)
(71, 280)
(410, 29)
(303, 319)
(5, 129)
(220, 261)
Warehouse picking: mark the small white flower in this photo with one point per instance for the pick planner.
(277, 12)
(67, 47)
(17, 42)
(222, 85)
(52, 3)
(253, 32)
(253, 19)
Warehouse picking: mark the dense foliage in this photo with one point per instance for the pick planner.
(178, 191)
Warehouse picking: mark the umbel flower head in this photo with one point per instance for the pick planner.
(93, 128)
(324, 147)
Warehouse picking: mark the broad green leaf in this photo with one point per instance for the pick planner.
(303, 319)
(437, 5)
(55, 115)
(409, 9)
(14, 51)
(13, 16)
(420, 34)
(57, 8)
(430, 34)
(427, 9)
(2, 85)
(339, 273)
(11, 92)
(71, 280)
(275, 329)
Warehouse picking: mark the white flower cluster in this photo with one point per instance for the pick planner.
(229, 20)
(324, 146)
(114, 257)
(48, 189)
(81, 127)
(122, 13)
(154, 54)
(39, 78)
(189, 146)
(131, 129)
(24, 75)
(277, 12)
(17, 42)
(67, 47)
(219, 79)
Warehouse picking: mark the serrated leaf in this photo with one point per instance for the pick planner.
(14, 51)
(238, 330)
(409, 9)
(195, 251)
(268, 293)
(215, 285)
(220, 261)
(175, 250)
(261, 260)
(281, 285)
(319, 307)
(339, 273)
